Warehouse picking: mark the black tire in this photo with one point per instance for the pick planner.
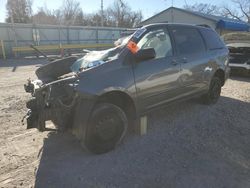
(105, 129)
(214, 91)
(56, 68)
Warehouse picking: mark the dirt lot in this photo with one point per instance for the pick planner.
(187, 145)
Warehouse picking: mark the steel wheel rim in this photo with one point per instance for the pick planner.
(108, 127)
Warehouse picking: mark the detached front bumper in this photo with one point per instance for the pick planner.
(54, 101)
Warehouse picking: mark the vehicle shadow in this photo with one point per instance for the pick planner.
(187, 145)
(240, 77)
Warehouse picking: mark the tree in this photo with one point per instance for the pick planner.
(45, 16)
(71, 11)
(19, 11)
(203, 8)
(79, 20)
(121, 15)
(241, 10)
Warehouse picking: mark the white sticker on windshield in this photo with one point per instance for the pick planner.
(139, 32)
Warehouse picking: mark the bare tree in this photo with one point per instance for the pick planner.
(121, 14)
(239, 11)
(79, 19)
(135, 18)
(19, 11)
(46, 16)
(203, 8)
(70, 11)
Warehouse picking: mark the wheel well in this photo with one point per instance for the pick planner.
(221, 75)
(122, 100)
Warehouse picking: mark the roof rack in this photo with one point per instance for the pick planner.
(203, 25)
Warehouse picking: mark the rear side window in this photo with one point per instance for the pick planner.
(212, 39)
(188, 40)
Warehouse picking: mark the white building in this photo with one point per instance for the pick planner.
(176, 15)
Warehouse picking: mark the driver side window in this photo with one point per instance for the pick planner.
(158, 39)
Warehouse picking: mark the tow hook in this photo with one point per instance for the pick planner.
(26, 116)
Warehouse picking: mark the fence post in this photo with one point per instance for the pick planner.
(14, 33)
(61, 50)
(97, 36)
(68, 35)
(141, 124)
(3, 49)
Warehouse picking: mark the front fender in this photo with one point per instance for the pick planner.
(111, 76)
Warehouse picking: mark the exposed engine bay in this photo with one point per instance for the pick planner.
(239, 55)
(239, 50)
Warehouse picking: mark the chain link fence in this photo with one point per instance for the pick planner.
(16, 38)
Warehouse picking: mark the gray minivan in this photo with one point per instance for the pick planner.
(100, 94)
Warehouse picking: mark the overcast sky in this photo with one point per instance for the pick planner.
(148, 7)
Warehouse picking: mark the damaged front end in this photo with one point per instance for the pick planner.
(239, 56)
(238, 44)
(55, 93)
(51, 101)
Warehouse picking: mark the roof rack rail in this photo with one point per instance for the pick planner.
(203, 25)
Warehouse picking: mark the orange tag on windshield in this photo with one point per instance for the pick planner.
(132, 47)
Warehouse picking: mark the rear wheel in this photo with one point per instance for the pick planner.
(214, 91)
(106, 128)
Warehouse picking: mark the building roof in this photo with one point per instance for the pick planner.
(222, 22)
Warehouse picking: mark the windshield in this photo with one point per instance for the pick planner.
(95, 58)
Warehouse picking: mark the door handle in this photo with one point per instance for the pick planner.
(174, 62)
(184, 60)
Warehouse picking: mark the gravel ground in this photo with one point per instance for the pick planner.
(187, 144)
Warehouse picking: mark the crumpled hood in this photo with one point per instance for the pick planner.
(91, 59)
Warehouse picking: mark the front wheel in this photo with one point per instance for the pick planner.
(105, 129)
(213, 94)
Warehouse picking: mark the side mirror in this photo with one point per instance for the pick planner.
(145, 54)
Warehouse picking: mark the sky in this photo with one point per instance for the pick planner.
(148, 7)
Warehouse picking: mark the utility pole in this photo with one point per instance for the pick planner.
(13, 30)
(172, 14)
(102, 13)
